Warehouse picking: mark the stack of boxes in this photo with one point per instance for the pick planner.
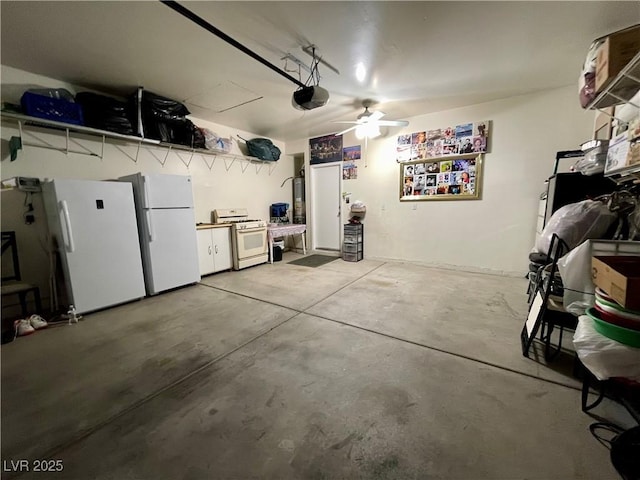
(619, 52)
(616, 313)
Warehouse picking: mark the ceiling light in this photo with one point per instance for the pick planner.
(367, 130)
(361, 72)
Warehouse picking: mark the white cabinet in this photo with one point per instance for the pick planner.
(214, 249)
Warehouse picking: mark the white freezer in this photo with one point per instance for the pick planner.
(94, 226)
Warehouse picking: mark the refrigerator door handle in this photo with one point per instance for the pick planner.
(145, 192)
(67, 224)
(149, 225)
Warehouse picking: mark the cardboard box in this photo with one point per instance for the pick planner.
(603, 124)
(618, 153)
(613, 55)
(633, 157)
(619, 277)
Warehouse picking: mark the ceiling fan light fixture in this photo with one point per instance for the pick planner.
(367, 130)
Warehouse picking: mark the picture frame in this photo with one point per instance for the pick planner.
(442, 178)
(450, 141)
(327, 149)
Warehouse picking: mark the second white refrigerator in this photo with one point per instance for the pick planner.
(167, 227)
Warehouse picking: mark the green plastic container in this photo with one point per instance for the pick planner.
(614, 332)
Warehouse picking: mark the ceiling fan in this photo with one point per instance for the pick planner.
(368, 123)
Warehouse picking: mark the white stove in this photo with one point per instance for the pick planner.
(248, 236)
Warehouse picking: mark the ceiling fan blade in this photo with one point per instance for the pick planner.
(347, 130)
(393, 123)
(377, 115)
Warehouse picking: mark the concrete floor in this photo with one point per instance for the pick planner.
(349, 370)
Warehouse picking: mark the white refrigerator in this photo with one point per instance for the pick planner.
(93, 225)
(167, 226)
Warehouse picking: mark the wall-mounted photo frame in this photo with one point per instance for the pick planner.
(325, 149)
(445, 178)
(467, 138)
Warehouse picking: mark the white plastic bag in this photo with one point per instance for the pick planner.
(213, 142)
(575, 270)
(587, 78)
(605, 358)
(575, 223)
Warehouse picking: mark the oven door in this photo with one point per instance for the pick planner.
(251, 242)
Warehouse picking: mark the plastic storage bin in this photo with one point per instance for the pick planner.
(353, 242)
(279, 209)
(50, 108)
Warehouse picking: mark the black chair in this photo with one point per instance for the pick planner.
(546, 311)
(12, 283)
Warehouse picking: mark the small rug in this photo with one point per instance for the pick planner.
(313, 260)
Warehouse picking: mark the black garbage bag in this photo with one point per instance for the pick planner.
(105, 113)
(156, 106)
(178, 131)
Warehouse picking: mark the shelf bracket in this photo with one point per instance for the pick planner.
(259, 167)
(44, 144)
(161, 162)
(182, 159)
(166, 155)
(244, 165)
(228, 166)
(272, 168)
(209, 165)
(134, 159)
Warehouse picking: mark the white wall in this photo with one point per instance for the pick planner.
(213, 188)
(496, 233)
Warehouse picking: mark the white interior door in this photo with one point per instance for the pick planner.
(325, 206)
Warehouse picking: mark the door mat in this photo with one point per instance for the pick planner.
(313, 260)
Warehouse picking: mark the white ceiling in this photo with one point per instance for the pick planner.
(421, 57)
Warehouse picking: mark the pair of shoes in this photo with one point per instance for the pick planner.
(37, 322)
(27, 326)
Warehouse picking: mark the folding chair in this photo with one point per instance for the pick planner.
(546, 311)
(12, 283)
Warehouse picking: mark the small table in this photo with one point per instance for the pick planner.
(284, 230)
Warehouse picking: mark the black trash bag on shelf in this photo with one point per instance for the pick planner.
(157, 117)
(156, 106)
(105, 113)
(198, 138)
(179, 132)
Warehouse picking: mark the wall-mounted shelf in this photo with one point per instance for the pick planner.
(30, 127)
(629, 174)
(621, 89)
